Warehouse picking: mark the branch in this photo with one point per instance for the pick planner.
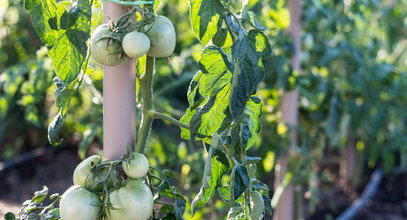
(157, 115)
(369, 192)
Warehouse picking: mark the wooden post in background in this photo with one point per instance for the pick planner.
(285, 209)
(119, 105)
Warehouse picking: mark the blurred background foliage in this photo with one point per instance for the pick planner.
(352, 91)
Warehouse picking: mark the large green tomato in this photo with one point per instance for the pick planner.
(137, 166)
(77, 203)
(83, 175)
(162, 37)
(135, 44)
(108, 55)
(131, 202)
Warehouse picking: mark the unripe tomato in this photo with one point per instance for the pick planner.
(77, 203)
(103, 52)
(137, 166)
(83, 175)
(135, 44)
(131, 202)
(162, 37)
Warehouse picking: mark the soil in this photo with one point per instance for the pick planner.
(56, 167)
(20, 182)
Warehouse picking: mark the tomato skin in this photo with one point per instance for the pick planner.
(77, 203)
(82, 172)
(83, 175)
(162, 36)
(131, 202)
(137, 166)
(135, 44)
(108, 55)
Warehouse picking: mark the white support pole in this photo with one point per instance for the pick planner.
(285, 209)
(119, 105)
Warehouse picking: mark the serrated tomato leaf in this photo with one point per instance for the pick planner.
(64, 27)
(251, 17)
(250, 122)
(63, 93)
(54, 128)
(241, 181)
(208, 95)
(247, 52)
(206, 18)
(216, 166)
(44, 16)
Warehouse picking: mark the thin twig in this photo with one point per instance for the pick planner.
(369, 192)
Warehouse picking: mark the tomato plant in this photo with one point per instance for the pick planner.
(224, 87)
(224, 105)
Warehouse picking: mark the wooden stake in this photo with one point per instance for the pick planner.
(119, 105)
(285, 209)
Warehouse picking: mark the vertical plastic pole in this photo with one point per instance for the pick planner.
(119, 105)
(285, 209)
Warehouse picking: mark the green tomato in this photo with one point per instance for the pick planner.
(103, 52)
(135, 44)
(77, 203)
(131, 202)
(162, 37)
(137, 166)
(83, 175)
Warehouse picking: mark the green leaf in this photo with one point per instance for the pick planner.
(44, 17)
(39, 196)
(54, 128)
(64, 28)
(206, 18)
(247, 52)
(224, 193)
(267, 205)
(216, 166)
(9, 216)
(63, 93)
(241, 181)
(251, 17)
(250, 122)
(180, 206)
(208, 95)
(236, 213)
(222, 38)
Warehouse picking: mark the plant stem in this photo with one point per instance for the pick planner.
(157, 115)
(146, 81)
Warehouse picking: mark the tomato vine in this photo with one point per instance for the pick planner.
(223, 112)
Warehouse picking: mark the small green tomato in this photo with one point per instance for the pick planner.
(137, 166)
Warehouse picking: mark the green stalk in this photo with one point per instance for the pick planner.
(157, 115)
(146, 88)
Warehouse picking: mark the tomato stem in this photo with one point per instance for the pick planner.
(157, 115)
(146, 81)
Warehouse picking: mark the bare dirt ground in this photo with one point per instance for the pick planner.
(55, 171)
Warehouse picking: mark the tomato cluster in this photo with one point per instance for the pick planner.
(156, 40)
(99, 192)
